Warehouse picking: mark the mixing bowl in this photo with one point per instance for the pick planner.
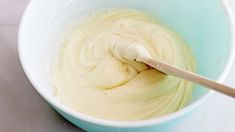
(206, 25)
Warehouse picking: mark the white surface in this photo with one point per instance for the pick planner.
(216, 115)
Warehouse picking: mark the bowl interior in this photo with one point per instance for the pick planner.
(203, 24)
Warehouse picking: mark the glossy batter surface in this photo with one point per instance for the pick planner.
(92, 78)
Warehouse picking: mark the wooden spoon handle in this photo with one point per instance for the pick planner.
(186, 75)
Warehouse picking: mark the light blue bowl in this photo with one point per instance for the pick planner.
(206, 25)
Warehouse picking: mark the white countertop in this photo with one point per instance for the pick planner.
(18, 113)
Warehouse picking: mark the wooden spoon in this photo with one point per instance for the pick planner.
(137, 52)
(189, 76)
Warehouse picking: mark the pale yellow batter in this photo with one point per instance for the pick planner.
(94, 75)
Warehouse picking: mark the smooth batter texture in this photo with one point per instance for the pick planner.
(94, 75)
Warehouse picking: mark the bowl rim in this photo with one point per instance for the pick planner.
(128, 124)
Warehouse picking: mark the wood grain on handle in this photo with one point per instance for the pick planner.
(186, 75)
